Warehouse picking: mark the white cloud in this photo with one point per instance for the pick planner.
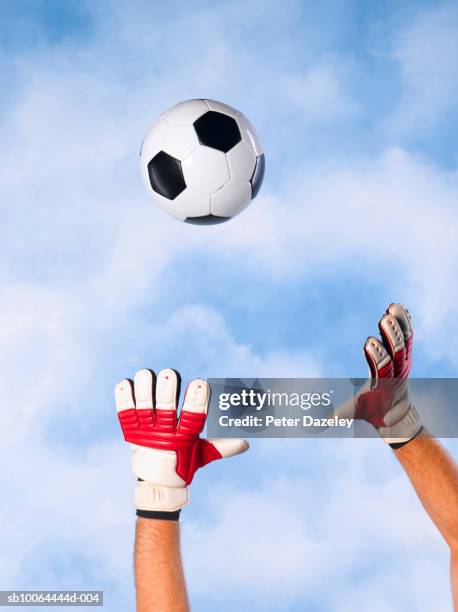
(288, 542)
(41, 355)
(321, 93)
(426, 50)
(202, 341)
(82, 248)
(393, 218)
(67, 520)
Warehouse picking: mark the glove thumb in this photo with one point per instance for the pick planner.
(228, 447)
(211, 450)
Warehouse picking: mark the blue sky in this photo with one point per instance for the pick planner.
(355, 103)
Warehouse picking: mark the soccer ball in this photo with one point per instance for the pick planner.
(202, 162)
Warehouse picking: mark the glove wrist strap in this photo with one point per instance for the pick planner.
(404, 431)
(154, 498)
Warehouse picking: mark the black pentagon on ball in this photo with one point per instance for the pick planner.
(217, 131)
(206, 220)
(166, 176)
(258, 175)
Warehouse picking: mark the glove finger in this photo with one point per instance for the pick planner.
(405, 322)
(393, 339)
(125, 406)
(195, 407)
(143, 388)
(167, 392)
(228, 447)
(404, 318)
(378, 359)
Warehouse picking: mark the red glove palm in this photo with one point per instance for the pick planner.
(384, 401)
(160, 429)
(389, 363)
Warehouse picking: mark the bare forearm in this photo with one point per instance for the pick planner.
(159, 575)
(434, 475)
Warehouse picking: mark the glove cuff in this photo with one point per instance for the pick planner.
(399, 434)
(159, 515)
(397, 445)
(154, 498)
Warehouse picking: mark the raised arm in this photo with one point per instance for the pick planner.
(166, 453)
(434, 475)
(159, 578)
(386, 404)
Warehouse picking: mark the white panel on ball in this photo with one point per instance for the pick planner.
(191, 203)
(155, 140)
(181, 140)
(231, 199)
(205, 169)
(222, 108)
(249, 134)
(241, 160)
(186, 112)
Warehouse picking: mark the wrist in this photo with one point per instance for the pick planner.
(398, 445)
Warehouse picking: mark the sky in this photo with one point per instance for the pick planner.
(355, 104)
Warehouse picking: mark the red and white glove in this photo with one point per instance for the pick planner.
(167, 451)
(384, 401)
